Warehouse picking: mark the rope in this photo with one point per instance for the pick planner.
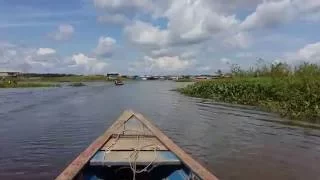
(135, 153)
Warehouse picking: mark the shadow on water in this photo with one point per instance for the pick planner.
(42, 130)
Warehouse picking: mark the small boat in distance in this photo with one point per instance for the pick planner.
(118, 82)
(134, 148)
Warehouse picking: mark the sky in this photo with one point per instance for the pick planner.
(155, 37)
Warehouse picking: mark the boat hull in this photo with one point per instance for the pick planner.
(133, 148)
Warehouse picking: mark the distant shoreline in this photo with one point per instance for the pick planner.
(47, 81)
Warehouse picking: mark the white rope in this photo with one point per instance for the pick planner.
(135, 153)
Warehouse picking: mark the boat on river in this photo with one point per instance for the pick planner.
(134, 148)
(118, 82)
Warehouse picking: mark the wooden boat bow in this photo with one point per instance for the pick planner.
(75, 167)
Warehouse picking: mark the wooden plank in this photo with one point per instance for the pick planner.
(134, 127)
(121, 158)
(75, 167)
(123, 143)
(196, 167)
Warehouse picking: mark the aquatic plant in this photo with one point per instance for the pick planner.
(293, 93)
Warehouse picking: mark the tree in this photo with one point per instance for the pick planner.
(219, 72)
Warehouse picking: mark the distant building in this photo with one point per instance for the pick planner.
(173, 77)
(9, 74)
(113, 76)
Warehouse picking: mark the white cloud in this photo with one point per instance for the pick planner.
(124, 5)
(188, 54)
(309, 53)
(183, 53)
(204, 68)
(225, 60)
(162, 52)
(143, 33)
(273, 13)
(46, 60)
(307, 5)
(88, 65)
(168, 63)
(45, 51)
(21, 58)
(238, 40)
(189, 22)
(161, 64)
(270, 14)
(117, 19)
(195, 20)
(64, 32)
(106, 46)
(244, 55)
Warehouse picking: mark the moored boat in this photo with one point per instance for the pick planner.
(118, 82)
(134, 148)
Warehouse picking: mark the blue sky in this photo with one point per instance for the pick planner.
(155, 37)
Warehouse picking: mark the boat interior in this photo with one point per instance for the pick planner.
(134, 152)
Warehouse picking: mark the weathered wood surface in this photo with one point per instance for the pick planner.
(131, 142)
(74, 168)
(134, 127)
(121, 158)
(196, 167)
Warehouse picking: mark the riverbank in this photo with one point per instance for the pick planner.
(47, 81)
(295, 95)
(27, 84)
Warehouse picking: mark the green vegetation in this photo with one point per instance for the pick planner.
(14, 84)
(291, 92)
(184, 80)
(48, 80)
(67, 78)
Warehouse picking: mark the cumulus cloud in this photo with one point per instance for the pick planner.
(105, 47)
(269, 14)
(163, 64)
(118, 4)
(124, 6)
(45, 51)
(88, 65)
(47, 60)
(195, 20)
(309, 53)
(244, 55)
(189, 22)
(238, 40)
(64, 32)
(145, 34)
(225, 60)
(20, 58)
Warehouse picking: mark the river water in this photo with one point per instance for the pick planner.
(42, 130)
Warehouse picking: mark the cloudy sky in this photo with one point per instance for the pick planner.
(155, 36)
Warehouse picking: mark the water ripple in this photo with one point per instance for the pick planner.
(46, 128)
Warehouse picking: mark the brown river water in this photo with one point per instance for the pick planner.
(42, 130)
